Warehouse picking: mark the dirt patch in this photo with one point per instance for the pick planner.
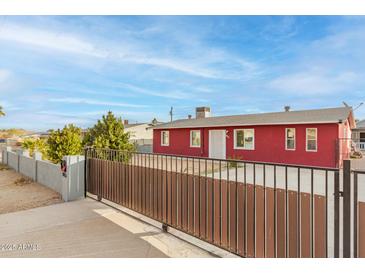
(23, 181)
(3, 167)
(20, 193)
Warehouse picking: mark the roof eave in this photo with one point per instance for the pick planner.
(245, 125)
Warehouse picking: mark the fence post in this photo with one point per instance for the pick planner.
(19, 153)
(85, 172)
(37, 156)
(347, 208)
(8, 149)
(337, 215)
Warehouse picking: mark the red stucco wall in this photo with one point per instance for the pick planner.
(269, 145)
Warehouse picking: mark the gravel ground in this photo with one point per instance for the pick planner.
(19, 193)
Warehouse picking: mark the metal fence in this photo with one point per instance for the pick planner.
(357, 216)
(252, 209)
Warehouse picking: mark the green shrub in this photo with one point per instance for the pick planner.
(108, 133)
(67, 141)
(33, 145)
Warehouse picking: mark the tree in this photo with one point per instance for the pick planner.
(2, 113)
(33, 145)
(109, 133)
(64, 142)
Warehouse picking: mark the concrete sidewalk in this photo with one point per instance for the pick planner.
(86, 228)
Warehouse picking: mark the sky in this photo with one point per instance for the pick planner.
(56, 70)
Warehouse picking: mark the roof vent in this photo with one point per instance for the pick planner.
(202, 112)
(189, 116)
(287, 108)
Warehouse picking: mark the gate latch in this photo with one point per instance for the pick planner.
(340, 194)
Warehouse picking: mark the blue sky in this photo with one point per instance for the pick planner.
(71, 69)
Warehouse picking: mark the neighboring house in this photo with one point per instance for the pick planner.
(35, 135)
(308, 137)
(358, 135)
(141, 134)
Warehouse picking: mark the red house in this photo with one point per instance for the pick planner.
(308, 137)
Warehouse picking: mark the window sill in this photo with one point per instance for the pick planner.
(242, 148)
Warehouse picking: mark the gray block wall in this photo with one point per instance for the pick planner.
(27, 167)
(49, 175)
(70, 186)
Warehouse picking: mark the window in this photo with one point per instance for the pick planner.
(244, 139)
(311, 139)
(362, 137)
(290, 138)
(194, 138)
(164, 138)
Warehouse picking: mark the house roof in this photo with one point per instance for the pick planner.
(315, 116)
(360, 124)
(148, 125)
(134, 125)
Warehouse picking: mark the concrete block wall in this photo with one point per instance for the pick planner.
(27, 166)
(49, 175)
(13, 160)
(70, 186)
(73, 182)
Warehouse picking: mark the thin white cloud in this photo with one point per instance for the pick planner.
(173, 64)
(4, 75)
(213, 65)
(96, 114)
(72, 100)
(169, 94)
(313, 82)
(49, 39)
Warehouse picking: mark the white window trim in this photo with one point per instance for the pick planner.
(306, 140)
(168, 138)
(286, 139)
(235, 139)
(191, 139)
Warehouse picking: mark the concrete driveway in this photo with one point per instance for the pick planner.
(86, 228)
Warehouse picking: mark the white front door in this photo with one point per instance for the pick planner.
(217, 144)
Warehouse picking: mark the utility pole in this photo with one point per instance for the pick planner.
(171, 113)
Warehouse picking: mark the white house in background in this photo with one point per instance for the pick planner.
(141, 134)
(358, 135)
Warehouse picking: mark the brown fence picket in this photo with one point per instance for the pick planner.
(232, 188)
(305, 225)
(174, 201)
(224, 214)
(250, 222)
(240, 219)
(281, 223)
(217, 211)
(361, 230)
(190, 193)
(320, 225)
(209, 211)
(293, 228)
(270, 223)
(203, 208)
(184, 201)
(197, 213)
(260, 222)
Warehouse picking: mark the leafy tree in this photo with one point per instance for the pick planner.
(109, 133)
(33, 145)
(64, 142)
(2, 113)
